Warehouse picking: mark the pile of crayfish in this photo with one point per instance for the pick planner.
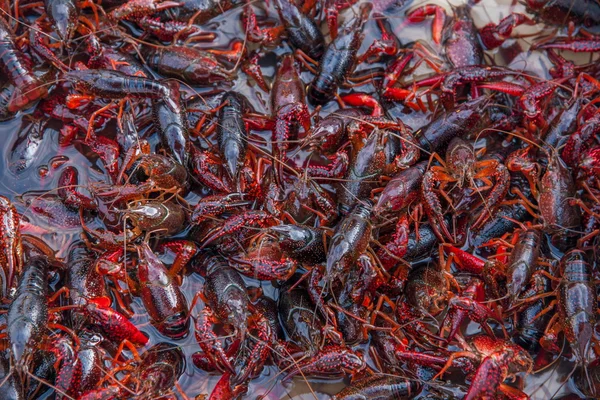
(232, 199)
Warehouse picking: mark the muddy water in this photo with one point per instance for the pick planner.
(41, 175)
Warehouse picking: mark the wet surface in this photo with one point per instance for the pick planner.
(32, 160)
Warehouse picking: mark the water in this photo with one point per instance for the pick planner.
(48, 159)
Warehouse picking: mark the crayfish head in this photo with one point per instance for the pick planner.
(237, 314)
(63, 15)
(521, 361)
(460, 160)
